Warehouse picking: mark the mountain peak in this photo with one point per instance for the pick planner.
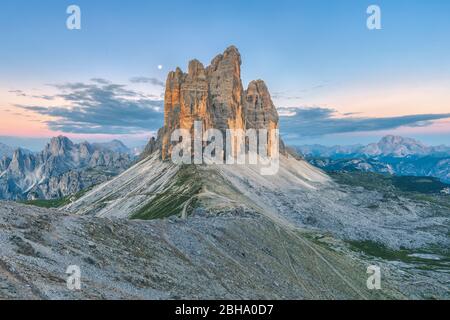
(59, 145)
(232, 49)
(196, 69)
(392, 139)
(117, 143)
(215, 96)
(397, 146)
(61, 140)
(114, 146)
(230, 54)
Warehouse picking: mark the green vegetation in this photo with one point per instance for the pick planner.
(56, 203)
(367, 180)
(181, 195)
(379, 250)
(419, 184)
(53, 203)
(375, 181)
(425, 189)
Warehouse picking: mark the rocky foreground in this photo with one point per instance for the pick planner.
(239, 255)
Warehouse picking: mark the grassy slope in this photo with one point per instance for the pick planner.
(173, 200)
(55, 203)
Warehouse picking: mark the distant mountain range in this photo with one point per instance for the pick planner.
(392, 155)
(8, 151)
(388, 146)
(5, 151)
(61, 169)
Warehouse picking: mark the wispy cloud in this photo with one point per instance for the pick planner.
(152, 81)
(297, 94)
(318, 121)
(21, 93)
(101, 107)
(100, 81)
(18, 93)
(286, 96)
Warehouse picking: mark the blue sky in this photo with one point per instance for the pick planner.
(312, 54)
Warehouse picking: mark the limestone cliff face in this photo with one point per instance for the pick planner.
(226, 91)
(215, 96)
(259, 110)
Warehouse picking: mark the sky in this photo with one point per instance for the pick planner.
(333, 80)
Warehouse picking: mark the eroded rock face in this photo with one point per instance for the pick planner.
(215, 96)
(226, 91)
(62, 168)
(260, 112)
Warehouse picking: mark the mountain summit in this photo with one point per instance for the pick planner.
(396, 146)
(215, 96)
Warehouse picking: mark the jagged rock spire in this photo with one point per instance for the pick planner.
(215, 96)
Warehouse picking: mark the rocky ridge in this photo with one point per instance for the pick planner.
(388, 146)
(62, 168)
(391, 155)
